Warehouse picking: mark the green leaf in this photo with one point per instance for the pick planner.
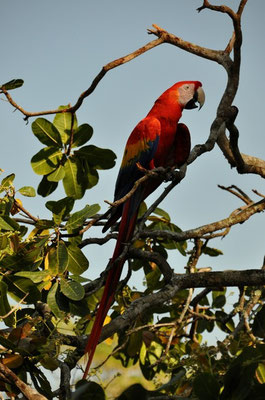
(36, 277)
(46, 132)
(45, 187)
(177, 375)
(152, 277)
(206, 387)
(72, 289)
(49, 362)
(57, 175)
(8, 224)
(258, 327)
(4, 305)
(62, 122)
(44, 224)
(46, 160)
(210, 251)
(6, 204)
(58, 258)
(79, 278)
(201, 325)
(82, 135)
(261, 373)
(60, 208)
(7, 182)
(77, 261)
(149, 356)
(62, 257)
(13, 84)
(219, 298)
(162, 213)
(98, 158)
(73, 181)
(27, 191)
(90, 175)
(52, 303)
(219, 301)
(77, 219)
(19, 287)
(241, 374)
(8, 344)
(3, 241)
(142, 209)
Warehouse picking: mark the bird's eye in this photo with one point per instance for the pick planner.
(187, 87)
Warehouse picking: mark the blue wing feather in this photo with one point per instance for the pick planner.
(140, 148)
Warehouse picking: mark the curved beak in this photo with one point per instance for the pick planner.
(199, 97)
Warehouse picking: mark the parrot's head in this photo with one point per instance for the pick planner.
(190, 93)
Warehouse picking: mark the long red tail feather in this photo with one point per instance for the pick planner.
(126, 230)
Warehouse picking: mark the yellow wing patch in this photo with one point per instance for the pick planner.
(145, 132)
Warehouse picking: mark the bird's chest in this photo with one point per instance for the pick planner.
(166, 143)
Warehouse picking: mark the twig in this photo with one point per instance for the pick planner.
(199, 232)
(29, 393)
(116, 350)
(148, 174)
(230, 44)
(13, 309)
(213, 55)
(237, 192)
(25, 221)
(178, 176)
(202, 316)
(21, 208)
(92, 87)
(99, 241)
(258, 193)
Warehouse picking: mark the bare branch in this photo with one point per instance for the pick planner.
(230, 44)
(203, 280)
(222, 9)
(258, 193)
(148, 173)
(238, 193)
(65, 392)
(213, 55)
(14, 308)
(26, 212)
(156, 258)
(199, 232)
(99, 241)
(29, 393)
(252, 165)
(92, 87)
(241, 7)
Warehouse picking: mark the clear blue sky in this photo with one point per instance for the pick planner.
(58, 47)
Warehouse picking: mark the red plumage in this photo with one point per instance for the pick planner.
(157, 140)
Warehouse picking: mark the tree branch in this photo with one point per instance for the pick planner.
(92, 87)
(181, 281)
(29, 393)
(159, 260)
(199, 232)
(213, 55)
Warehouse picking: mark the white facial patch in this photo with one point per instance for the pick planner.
(186, 93)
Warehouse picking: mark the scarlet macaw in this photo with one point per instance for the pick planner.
(157, 140)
